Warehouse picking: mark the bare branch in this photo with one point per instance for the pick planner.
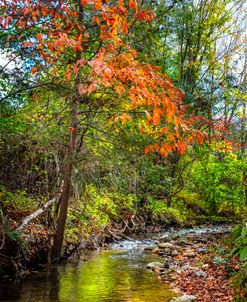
(38, 212)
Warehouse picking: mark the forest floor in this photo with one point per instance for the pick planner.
(197, 266)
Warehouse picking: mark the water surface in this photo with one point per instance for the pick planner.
(113, 276)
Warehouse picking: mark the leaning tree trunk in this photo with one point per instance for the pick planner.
(64, 200)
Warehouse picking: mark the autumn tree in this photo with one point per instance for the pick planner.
(79, 50)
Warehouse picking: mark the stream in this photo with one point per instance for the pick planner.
(114, 275)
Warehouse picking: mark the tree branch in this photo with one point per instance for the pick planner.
(37, 213)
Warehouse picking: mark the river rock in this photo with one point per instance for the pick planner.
(164, 238)
(166, 245)
(200, 273)
(166, 264)
(187, 267)
(167, 251)
(156, 250)
(149, 247)
(184, 298)
(174, 236)
(191, 255)
(152, 265)
(175, 253)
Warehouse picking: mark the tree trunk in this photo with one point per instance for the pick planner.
(64, 200)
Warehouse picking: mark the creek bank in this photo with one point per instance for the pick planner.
(24, 252)
(18, 262)
(196, 265)
(182, 259)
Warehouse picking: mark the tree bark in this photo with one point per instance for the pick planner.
(69, 164)
(64, 200)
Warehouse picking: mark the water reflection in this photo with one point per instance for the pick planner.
(42, 286)
(108, 276)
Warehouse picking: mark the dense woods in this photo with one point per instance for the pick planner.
(118, 117)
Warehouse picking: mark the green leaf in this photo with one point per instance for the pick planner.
(243, 254)
(13, 235)
(244, 231)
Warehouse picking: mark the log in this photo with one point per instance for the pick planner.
(36, 213)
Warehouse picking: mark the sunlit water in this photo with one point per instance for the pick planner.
(115, 275)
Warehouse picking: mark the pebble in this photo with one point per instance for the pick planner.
(200, 273)
(150, 248)
(175, 253)
(187, 268)
(184, 298)
(152, 265)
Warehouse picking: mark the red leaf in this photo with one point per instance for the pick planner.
(147, 150)
(34, 70)
(132, 4)
(39, 37)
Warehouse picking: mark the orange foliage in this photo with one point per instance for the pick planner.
(144, 86)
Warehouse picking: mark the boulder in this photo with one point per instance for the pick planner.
(159, 270)
(166, 245)
(156, 250)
